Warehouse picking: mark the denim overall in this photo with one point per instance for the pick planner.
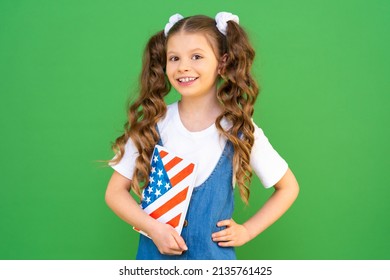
(211, 202)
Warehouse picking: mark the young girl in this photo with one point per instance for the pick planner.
(208, 62)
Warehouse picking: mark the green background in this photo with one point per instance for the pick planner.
(68, 67)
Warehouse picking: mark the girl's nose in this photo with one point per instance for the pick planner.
(183, 65)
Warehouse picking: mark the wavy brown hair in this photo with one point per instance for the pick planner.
(237, 93)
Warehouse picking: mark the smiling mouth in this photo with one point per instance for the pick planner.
(187, 79)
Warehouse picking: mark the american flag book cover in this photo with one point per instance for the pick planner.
(168, 193)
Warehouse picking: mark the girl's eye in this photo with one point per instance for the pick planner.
(173, 58)
(196, 57)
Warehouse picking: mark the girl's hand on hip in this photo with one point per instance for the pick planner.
(233, 235)
(168, 241)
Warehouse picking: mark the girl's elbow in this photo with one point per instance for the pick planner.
(289, 185)
(108, 197)
(296, 189)
(292, 184)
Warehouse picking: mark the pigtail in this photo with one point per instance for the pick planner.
(238, 94)
(146, 111)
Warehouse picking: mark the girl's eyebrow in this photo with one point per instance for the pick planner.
(190, 51)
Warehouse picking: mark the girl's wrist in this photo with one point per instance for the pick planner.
(151, 226)
(249, 234)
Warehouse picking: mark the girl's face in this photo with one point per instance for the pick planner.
(192, 66)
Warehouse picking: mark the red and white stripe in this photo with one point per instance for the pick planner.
(171, 208)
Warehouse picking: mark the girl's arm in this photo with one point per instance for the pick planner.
(118, 198)
(286, 191)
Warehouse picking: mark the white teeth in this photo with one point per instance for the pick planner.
(186, 80)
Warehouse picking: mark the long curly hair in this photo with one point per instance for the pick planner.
(237, 93)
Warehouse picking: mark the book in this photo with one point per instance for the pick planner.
(167, 196)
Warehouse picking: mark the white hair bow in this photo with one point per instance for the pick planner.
(222, 18)
(172, 20)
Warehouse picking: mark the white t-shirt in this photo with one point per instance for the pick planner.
(205, 148)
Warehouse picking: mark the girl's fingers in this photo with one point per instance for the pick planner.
(222, 233)
(168, 241)
(222, 238)
(224, 223)
(180, 242)
(229, 224)
(226, 237)
(227, 244)
(174, 252)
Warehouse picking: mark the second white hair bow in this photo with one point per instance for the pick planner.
(222, 18)
(172, 20)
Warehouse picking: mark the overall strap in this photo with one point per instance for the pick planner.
(159, 137)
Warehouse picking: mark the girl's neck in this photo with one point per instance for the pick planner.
(197, 114)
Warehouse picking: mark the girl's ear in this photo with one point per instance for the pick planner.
(222, 64)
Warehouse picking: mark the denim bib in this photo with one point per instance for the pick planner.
(211, 202)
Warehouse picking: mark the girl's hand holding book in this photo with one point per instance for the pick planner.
(167, 240)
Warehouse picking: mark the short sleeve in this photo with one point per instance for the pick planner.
(126, 165)
(268, 165)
